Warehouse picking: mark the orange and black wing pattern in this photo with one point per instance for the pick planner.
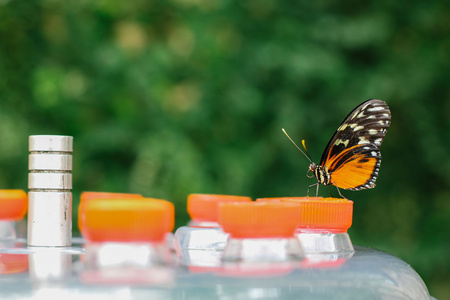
(352, 157)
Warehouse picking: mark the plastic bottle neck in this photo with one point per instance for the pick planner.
(203, 223)
(263, 250)
(139, 263)
(7, 230)
(324, 240)
(129, 254)
(200, 246)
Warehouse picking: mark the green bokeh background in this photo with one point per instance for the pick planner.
(167, 98)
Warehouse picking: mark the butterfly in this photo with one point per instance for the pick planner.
(352, 158)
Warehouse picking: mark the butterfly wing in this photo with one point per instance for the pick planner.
(352, 157)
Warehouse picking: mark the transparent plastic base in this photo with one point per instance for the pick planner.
(7, 230)
(200, 238)
(200, 246)
(101, 255)
(13, 230)
(325, 242)
(263, 250)
(368, 274)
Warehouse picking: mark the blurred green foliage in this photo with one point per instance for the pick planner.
(166, 98)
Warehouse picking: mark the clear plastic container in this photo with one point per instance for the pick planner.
(126, 240)
(323, 228)
(83, 272)
(369, 274)
(201, 242)
(261, 232)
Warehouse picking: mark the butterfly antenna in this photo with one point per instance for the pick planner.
(303, 143)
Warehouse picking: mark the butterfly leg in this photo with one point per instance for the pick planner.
(340, 193)
(329, 189)
(317, 189)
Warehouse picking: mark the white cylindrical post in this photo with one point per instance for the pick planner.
(50, 196)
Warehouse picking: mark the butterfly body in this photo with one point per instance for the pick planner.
(322, 176)
(352, 159)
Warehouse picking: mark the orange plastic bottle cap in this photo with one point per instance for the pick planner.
(324, 214)
(87, 196)
(13, 204)
(204, 207)
(280, 199)
(127, 219)
(259, 219)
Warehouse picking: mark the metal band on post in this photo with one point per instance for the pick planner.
(50, 196)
